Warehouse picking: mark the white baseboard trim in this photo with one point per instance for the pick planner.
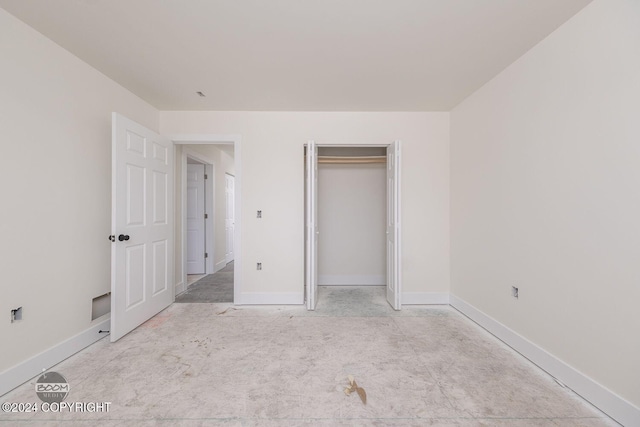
(32, 367)
(351, 280)
(271, 298)
(180, 288)
(599, 396)
(424, 298)
(219, 266)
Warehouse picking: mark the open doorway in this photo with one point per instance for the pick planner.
(217, 284)
(352, 220)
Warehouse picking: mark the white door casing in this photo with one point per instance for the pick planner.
(195, 219)
(311, 229)
(141, 225)
(393, 226)
(229, 224)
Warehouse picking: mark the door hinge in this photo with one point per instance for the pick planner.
(206, 216)
(206, 255)
(206, 176)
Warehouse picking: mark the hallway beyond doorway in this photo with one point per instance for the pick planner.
(211, 288)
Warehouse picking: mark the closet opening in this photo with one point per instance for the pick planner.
(352, 223)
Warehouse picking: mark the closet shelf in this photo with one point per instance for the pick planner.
(352, 159)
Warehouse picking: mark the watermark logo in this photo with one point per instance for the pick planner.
(52, 387)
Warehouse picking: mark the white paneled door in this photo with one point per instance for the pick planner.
(141, 225)
(393, 225)
(311, 229)
(230, 216)
(195, 219)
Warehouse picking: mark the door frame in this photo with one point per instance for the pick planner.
(225, 216)
(311, 226)
(209, 208)
(399, 195)
(214, 139)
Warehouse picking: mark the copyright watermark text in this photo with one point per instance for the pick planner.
(79, 407)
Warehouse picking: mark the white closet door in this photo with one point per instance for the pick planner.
(311, 234)
(393, 225)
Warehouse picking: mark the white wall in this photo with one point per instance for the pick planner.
(55, 178)
(273, 181)
(545, 167)
(352, 222)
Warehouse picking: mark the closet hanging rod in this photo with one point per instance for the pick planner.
(351, 159)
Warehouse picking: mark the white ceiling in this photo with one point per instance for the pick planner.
(298, 55)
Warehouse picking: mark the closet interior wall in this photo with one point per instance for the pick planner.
(352, 215)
